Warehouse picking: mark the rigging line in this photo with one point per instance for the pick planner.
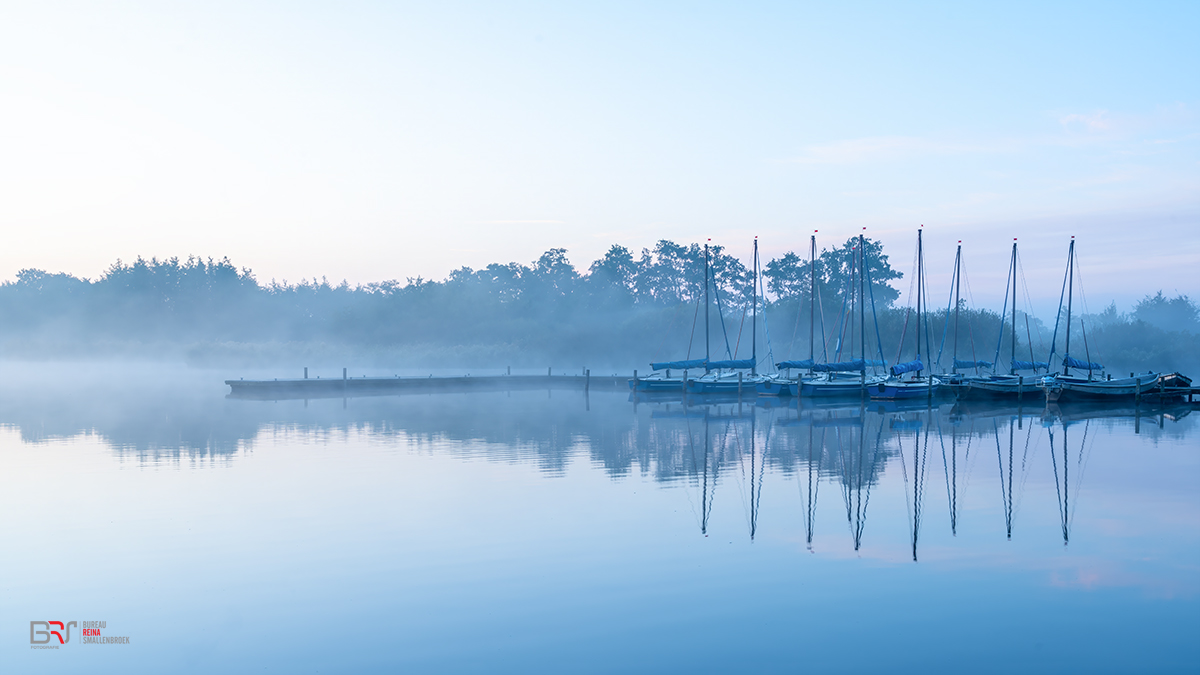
(721, 314)
(845, 473)
(874, 461)
(824, 340)
(946, 473)
(766, 326)
(1061, 296)
(919, 485)
(1029, 309)
(1057, 491)
(859, 508)
(695, 470)
(904, 471)
(1025, 460)
(738, 344)
(1003, 498)
(971, 324)
(1004, 312)
(878, 339)
(842, 319)
(949, 301)
(1082, 462)
(695, 316)
(795, 330)
(903, 334)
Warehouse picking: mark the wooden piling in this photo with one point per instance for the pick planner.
(587, 380)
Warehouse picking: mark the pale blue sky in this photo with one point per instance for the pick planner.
(373, 141)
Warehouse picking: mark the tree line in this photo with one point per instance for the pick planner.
(622, 310)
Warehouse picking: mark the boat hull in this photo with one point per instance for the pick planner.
(843, 388)
(999, 388)
(724, 386)
(658, 384)
(777, 388)
(901, 391)
(1066, 390)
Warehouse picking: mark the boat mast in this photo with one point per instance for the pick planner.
(754, 318)
(862, 299)
(812, 300)
(706, 271)
(957, 287)
(1013, 345)
(920, 272)
(1070, 293)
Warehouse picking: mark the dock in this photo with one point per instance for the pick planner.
(345, 387)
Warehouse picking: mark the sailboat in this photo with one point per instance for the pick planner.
(1011, 385)
(955, 379)
(714, 381)
(1066, 387)
(915, 385)
(785, 385)
(662, 381)
(848, 378)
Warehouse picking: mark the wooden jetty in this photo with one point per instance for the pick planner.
(346, 386)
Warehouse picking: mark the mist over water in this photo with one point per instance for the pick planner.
(509, 531)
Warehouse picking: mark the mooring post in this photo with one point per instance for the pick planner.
(508, 371)
(343, 373)
(739, 386)
(306, 372)
(1020, 387)
(685, 381)
(635, 380)
(547, 371)
(1137, 392)
(587, 379)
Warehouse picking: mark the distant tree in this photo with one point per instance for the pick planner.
(1178, 313)
(838, 263)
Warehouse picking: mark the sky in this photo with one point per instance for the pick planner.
(373, 141)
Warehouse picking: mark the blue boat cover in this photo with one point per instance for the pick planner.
(1072, 362)
(738, 363)
(910, 367)
(1030, 365)
(806, 363)
(843, 367)
(972, 364)
(679, 365)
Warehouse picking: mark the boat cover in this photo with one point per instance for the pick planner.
(737, 363)
(972, 364)
(679, 365)
(1030, 365)
(806, 363)
(856, 365)
(1072, 362)
(910, 367)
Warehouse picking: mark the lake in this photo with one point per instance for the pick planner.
(553, 531)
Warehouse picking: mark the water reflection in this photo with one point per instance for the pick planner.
(698, 444)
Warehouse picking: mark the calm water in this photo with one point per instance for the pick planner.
(549, 532)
